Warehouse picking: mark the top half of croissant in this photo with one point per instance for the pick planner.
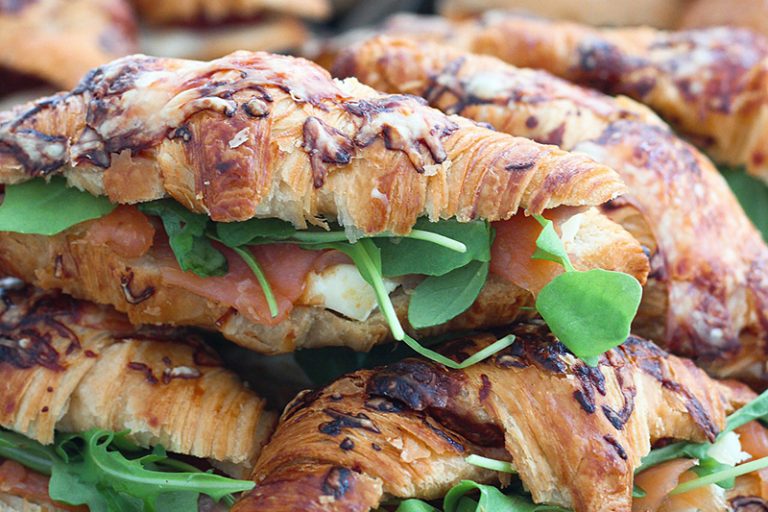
(261, 135)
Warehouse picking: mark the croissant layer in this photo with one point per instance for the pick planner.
(574, 433)
(709, 83)
(706, 294)
(73, 366)
(261, 135)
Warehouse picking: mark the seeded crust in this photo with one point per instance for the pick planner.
(59, 41)
(707, 293)
(72, 366)
(574, 433)
(261, 135)
(72, 262)
(185, 11)
(710, 84)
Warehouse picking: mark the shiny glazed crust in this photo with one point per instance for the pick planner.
(707, 291)
(261, 135)
(74, 263)
(72, 366)
(59, 41)
(574, 433)
(710, 84)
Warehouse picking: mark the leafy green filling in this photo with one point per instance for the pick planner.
(590, 312)
(37, 207)
(709, 470)
(92, 468)
(490, 499)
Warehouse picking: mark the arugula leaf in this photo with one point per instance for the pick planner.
(46, 208)
(438, 299)
(249, 232)
(674, 451)
(87, 472)
(402, 256)
(590, 312)
(86, 469)
(549, 246)
(491, 499)
(757, 409)
(187, 236)
(752, 193)
(26, 452)
(414, 505)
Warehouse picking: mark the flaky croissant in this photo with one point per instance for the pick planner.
(656, 13)
(186, 11)
(710, 84)
(256, 134)
(278, 137)
(707, 292)
(58, 41)
(575, 434)
(72, 366)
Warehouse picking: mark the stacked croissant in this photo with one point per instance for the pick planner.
(515, 288)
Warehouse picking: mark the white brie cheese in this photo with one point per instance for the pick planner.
(341, 288)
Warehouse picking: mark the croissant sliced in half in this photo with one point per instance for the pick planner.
(706, 294)
(73, 366)
(575, 434)
(58, 41)
(255, 135)
(710, 84)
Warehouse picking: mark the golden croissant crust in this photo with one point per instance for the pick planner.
(186, 11)
(261, 135)
(574, 433)
(72, 366)
(707, 291)
(710, 84)
(58, 41)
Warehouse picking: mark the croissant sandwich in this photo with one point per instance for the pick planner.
(256, 196)
(56, 42)
(656, 13)
(574, 435)
(706, 294)
(75, 373)
(709, 84)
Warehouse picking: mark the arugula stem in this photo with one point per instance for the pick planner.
(263, 282)
(228, 499)
(169, 481)
(725, 474)
(382, 296)
(26, 452)
(492, 464)
(315, 237)
(450, 363)
(437, 239)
